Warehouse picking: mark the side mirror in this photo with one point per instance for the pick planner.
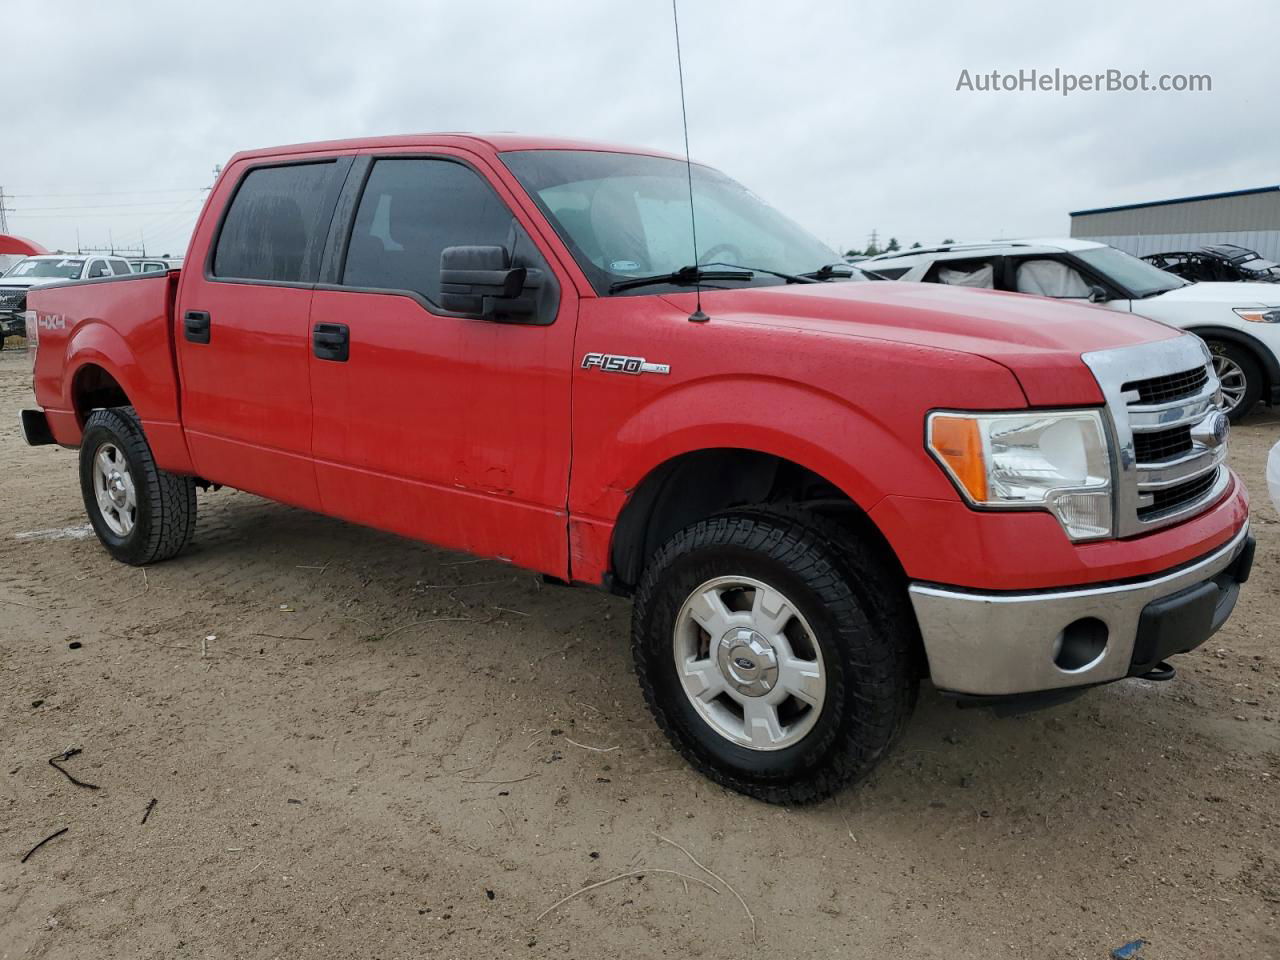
(1097, 294)
(480, 282)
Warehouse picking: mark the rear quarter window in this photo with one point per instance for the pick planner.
(276, 225)
(890, 273)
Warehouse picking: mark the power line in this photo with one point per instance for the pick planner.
(104, 206)
(68, 216)
(101, 193)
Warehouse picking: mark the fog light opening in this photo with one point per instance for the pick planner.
(1080, 644)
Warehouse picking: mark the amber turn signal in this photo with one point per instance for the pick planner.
(958, 443)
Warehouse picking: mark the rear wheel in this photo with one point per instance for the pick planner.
(772, 664)
(1240, 375)
(142, 514)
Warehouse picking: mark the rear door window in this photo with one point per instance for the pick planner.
(978, 272)
(120, 268)
(276, 225)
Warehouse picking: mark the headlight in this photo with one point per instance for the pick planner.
(1053, 460)
(1259, 314)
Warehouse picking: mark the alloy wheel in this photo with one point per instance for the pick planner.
(749, 663)
(1232, 380)
(113, 486)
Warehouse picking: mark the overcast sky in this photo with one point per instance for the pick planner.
(843, 115)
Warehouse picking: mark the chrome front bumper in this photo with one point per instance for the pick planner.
(1002, 644)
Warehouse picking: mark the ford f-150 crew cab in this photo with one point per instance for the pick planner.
(819, 490)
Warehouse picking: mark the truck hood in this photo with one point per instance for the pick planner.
(1239, 294)
(1038, 339)
(28, 282)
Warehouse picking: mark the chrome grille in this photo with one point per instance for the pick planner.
(1174, 386)
(1174, 498)
(1169, 436)
(11, 298)
(1161, 445)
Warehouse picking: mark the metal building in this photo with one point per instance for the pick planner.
(1250, 218)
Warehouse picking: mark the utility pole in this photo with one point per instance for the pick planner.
(4, 214)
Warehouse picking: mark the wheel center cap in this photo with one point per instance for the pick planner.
(116, 489)
(748, 662)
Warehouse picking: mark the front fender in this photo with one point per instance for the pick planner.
(797, 422)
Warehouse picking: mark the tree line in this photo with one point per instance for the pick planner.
(873, 249)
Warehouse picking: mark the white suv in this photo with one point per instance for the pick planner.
(1239, 321)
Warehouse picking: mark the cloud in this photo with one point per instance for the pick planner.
(845, 116)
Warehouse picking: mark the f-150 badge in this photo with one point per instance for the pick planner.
(613, 363)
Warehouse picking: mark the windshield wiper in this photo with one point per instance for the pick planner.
(789, 277)
(829, 271)
(683, 276)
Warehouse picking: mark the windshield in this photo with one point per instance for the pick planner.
(623, 216)
(1257, 265)
(1138, 277)
(65, 269)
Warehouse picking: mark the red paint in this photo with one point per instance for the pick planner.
(20, 245)
(491, 438)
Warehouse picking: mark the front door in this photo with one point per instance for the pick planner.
(242, 333)
(430, 424)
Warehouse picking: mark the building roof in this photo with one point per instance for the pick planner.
(1166, 203)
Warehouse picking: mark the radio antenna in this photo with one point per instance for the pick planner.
(697, 316)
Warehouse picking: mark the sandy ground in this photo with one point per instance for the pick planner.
(383, 750)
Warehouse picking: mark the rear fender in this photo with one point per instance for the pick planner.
(94, 343)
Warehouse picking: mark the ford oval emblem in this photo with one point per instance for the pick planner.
(743, 663)
(1221, 427)
(1212, 431)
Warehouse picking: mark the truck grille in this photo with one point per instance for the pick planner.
(1173, 386)
(12, 298)
(1175, 498)
(1169, 435)
(1161, 444)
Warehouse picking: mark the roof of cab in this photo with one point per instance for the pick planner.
(497, 142)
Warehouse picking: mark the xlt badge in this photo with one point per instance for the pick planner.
(613, 363)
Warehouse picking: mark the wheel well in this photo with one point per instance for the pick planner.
(1266, 359)
(93, 389)
(698, 485)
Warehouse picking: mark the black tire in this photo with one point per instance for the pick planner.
(164, 517)
(1251, 369)
(864, 630)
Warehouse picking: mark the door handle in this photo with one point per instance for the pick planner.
(196, 326)
(331, 341)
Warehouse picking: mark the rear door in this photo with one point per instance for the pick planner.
(242, 327)
(431, 424)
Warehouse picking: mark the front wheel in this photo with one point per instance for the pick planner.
(142, 514)
(1240, 375)
(770, 653)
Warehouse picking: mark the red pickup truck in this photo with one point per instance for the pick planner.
(819, 489)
